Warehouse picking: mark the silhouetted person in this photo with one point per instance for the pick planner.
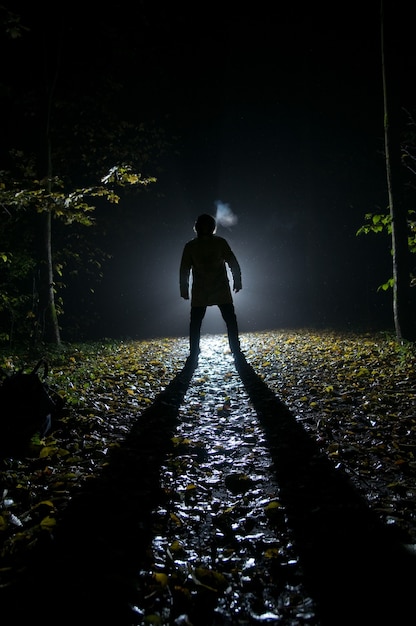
(206, 257)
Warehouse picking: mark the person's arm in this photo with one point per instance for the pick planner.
(184, 272)
(234, 266)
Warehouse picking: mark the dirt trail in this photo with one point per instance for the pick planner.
(218, 510)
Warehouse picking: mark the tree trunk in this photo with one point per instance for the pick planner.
(52, 332)
(402, 305)
(51, 326)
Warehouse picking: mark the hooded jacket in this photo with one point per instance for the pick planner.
(205, 259)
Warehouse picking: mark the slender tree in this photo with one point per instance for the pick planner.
(402, 305)
(48, 305)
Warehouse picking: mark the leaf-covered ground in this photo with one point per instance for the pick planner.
(279, 489)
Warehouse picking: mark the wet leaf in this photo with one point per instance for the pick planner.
(161, 579)
(215, 581)
(238, 483)
(48, 523)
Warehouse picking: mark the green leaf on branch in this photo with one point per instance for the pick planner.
(387, 285)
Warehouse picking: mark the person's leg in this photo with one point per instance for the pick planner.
(230, 318)
(197, 315)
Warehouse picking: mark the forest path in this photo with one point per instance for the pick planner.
(226, 510)
(218, 510)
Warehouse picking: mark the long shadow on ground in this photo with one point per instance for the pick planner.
(86, 574)
(356, 568)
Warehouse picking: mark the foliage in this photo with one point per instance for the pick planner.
(380, 222)
(17, 269)
(23, 203)
(353, 393)
(409, 147)
(11, 23)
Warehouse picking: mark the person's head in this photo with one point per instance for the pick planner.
(205, 225)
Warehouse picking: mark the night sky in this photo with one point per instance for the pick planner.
(280, 118)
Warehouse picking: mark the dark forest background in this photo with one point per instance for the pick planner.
(122, 126)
